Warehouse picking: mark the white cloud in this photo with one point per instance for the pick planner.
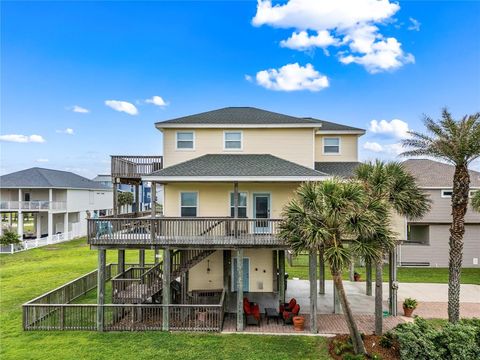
(41, 160)
(248, 78)
(349, 24)
(22, 138)
(396, 128)
(79, 109)
(157, 100)
(292, 77)
(303, 41)
(373, 146)
(68, 131)
(415, 24)
(122, 106)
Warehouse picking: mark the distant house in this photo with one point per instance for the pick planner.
(427, 238)
(55, 202)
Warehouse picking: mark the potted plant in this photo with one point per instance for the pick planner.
(298, 323)
(356, 276)
(408, 306)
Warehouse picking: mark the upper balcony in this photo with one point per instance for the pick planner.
(134, 167)
(36, 205)
(209, 232)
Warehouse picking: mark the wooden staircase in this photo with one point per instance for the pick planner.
(148, 286)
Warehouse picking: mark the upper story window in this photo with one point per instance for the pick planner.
(447, 193)
(331, 145)
(232, 140)
(242, 205)
(185, 140)
(188, 204)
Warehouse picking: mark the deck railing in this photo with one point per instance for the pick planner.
(183, 231)
(127, 166)
(136, 284)
(33, 205)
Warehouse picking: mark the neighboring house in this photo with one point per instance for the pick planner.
(428, 238)
(56, 200)
(226, 176)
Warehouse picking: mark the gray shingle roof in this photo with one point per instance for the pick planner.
(47, 178)
(237, 165)
(342, 169)
(250, 116)
(431, 173)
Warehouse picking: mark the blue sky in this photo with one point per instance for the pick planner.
(199, 56)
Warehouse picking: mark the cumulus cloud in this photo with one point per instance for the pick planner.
(122, 106)
(396, 128)
(373, 146)
(79, 109)
(388, 150)
(349, 24)
(157, 100)
(22, 138)
(68, 131)
(303, 41)
(292, 77)
(41, 160)
(414, 24)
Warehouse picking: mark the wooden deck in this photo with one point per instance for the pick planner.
(133, 167)
(211, 232)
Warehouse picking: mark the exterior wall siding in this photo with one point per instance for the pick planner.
(348, 148)
(436, 253)
(294, 145)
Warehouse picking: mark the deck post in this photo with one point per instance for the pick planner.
(392, 282)
(312, 276)
(20, 224)
(368, 282)
(275, 271)
(137, 198)
(153, 198)
(239, 271)
(321, 270)
(115, 197)
(141, 258)
(281, 276)
(378, 297)
(227, 255)
(166, 288)
(101, 288)
(235, 207)
(121, 261)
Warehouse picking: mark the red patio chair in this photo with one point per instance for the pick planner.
(252, 312)
(288, 306)
(288, 315)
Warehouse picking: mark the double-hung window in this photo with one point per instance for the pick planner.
(242, 205)
(331, 146)
(188, 204)
(232, 140)
(185, 140)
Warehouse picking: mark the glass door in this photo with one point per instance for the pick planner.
(261, 210)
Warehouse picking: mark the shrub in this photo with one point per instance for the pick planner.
(421, 341)
(353, 357)
(410, 303)
(386, 341)
(341, 347)
(9, 237)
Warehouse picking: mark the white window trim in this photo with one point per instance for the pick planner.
(231, 206)
(442, 193)
(225, 140)
(180, 202)
(176, 140)
(339, 145)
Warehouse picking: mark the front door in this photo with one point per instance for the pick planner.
(261, 210)
(246, 274)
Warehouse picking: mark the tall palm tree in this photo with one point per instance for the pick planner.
(393, 184)
(458, 143)
(328, 214)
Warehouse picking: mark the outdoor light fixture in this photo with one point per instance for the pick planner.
(208, 266)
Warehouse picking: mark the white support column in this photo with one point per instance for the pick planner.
(20, 225)
(65, 224)
(50, 225)
(38, 225)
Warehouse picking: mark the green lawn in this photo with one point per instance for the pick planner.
(427, 275)
(28, 274)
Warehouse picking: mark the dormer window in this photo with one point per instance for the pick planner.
(331, 146)
(185, 140)
(232, 140)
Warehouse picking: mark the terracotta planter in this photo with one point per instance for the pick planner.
(298, 323)
(407, 311)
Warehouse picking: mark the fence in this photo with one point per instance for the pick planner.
(39, 242)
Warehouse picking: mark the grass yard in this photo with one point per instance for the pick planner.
(28, 274)
(405, 274)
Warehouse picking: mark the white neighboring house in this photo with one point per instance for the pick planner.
(58, 201)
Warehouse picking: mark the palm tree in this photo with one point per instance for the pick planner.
(328, 214)
(393, 184)
(456, 142)
(476, 201)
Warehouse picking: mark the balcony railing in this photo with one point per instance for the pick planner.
(184, 232)
(134, 167)
(33, 205)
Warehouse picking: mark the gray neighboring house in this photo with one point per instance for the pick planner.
(427, 238)
(57, 201)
